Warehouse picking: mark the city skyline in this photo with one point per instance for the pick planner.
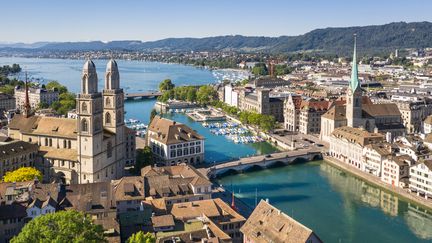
(149, 21)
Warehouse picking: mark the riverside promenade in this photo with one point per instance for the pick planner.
(404, 193)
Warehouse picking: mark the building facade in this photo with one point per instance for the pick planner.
(7, 102)
(37, 96)
(259, 101)
(347, 144)
(16, 154)
(90, 148)
(174, 143)
(421, 179)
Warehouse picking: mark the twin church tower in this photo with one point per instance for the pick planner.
(101, 129)
(91, 148)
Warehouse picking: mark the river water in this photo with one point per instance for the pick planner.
(339, 207)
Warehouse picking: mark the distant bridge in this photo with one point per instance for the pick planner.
(143, 95)
(263, 161)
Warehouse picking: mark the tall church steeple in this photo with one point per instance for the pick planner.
(354, 94)
(89, 128)
(113, 111)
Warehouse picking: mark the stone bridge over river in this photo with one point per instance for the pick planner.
(263, 161)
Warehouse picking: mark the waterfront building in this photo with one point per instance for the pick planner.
(174, 143)
(396, 170)
(310, 115)
(269, 224)
(231, 95)
(347, 144)
(420, 178)
(16, 154)
(7, 102)
(383, 118)
(216, 210)
(292, 112)
(36, 97)
(259, 101)
(374, 155)
(90, 148)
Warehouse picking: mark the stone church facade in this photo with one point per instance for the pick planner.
(90, 148)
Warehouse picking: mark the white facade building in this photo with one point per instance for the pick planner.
(421, 179)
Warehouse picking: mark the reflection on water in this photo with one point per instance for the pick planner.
(352, 189)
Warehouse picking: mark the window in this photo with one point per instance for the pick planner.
(84, 125)
(107, 118)
(84, 108)
(108, 102)
(109, 149)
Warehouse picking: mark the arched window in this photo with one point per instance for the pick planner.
(84, 108)
(84, 125)
(107, 118)
(107, 102)
(109, 150)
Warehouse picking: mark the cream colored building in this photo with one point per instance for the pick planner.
(396, 170)
(347, 144)
(373, 156)
(90, 148)
(174, 143)
(292, 112)
(421, 179)
(36, 96)
(414, 113)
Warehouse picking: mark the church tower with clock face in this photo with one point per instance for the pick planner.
(354, 96)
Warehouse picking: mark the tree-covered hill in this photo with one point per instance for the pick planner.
(371, 39)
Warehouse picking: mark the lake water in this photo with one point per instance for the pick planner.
(142, 76)
(339, 207)
(336, 205)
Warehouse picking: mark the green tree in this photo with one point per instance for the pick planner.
(206, 94)
(260, 69)
(22, 174)
(7, 89)
(141, 237)
(166, 85)
(56, 85)
(62, 226)
(65, 103)
(144, 158)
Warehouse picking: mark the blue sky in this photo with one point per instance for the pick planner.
(84, 20)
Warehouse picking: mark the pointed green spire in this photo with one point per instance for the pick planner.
(354, 84)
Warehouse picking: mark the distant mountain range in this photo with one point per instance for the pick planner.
(370, 39)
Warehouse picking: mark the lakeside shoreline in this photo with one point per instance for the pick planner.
(376, 181)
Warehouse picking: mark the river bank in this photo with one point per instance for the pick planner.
(376, 181)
